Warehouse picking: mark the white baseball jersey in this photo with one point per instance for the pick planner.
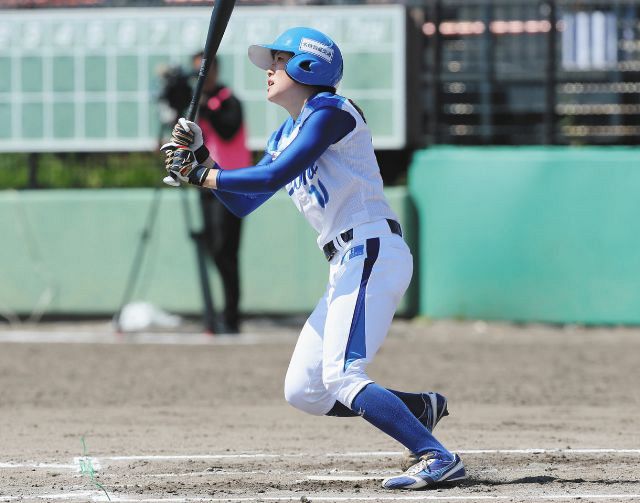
(343, 189)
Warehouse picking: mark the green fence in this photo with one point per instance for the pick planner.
(525, 234)
(87, 80)
(548, 234)
(70, 251)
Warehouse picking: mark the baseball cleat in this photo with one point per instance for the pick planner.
(431, 469)
(434, 410)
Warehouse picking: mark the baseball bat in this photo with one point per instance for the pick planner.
(217, 25)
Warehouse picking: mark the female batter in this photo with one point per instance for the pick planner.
(323, 157)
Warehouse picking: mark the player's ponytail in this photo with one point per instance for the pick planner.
(353, 103)
(332, 90)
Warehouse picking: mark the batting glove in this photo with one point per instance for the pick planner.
(188, 134)
(188, 170)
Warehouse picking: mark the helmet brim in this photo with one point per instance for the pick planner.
(261, 55)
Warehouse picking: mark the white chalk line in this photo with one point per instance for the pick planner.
(336, 475)
(97, 462)
(357, 454)
(494, 451)
(182, 457)
(54, 466)
(346, 478)
(92, 496)
(173, 339)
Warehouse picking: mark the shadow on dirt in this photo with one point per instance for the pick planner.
(540, 480)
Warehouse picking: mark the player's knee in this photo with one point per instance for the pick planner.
(292, 394)
(295, 395)
(298, 396)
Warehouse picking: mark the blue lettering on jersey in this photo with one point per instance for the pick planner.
(304, 179)
(319, 197)
(325, 192)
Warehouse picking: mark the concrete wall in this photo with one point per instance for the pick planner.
(70, 251)
(547, 234)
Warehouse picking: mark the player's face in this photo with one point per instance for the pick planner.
(279, 84)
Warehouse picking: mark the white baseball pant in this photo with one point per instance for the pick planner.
(367, 278)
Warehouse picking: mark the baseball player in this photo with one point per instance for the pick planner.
(323, 157)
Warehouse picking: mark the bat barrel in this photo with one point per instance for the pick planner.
(217, 25)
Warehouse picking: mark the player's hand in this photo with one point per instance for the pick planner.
(188, 134)
(188, 169)
(187, 165)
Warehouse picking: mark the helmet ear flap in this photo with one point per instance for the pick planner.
(306, 70)
(306, 65)
(301, 69)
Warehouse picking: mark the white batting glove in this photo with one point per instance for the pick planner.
(188, 134)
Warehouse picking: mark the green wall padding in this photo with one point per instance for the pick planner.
(529, 234)
(70, 251)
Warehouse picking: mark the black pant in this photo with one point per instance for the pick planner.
(221, 235)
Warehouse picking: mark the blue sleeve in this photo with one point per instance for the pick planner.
(266, 159)
(242, 204)
(322, 128)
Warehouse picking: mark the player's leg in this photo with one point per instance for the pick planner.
(365, 294)
(428, 407)
(305, 390)
(303, 386)
(362, 304)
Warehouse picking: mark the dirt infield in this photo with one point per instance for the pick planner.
(538, 413)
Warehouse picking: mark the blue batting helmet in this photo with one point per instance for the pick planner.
(316, 59)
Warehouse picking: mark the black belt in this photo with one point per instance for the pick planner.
(330, 249)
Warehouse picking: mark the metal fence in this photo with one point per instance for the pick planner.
(531, 72)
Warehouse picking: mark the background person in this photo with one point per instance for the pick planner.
(221, 121)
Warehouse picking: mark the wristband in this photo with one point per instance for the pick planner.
(201, 154)
(198, 175)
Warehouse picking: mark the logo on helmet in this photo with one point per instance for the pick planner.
(317, 48)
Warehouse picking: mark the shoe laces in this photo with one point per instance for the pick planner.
(425, 460)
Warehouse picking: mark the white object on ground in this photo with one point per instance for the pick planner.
(140, 315)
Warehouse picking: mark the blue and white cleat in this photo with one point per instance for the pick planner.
(432, 469)
(435, 408)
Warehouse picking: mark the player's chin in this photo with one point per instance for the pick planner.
(272, 95)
